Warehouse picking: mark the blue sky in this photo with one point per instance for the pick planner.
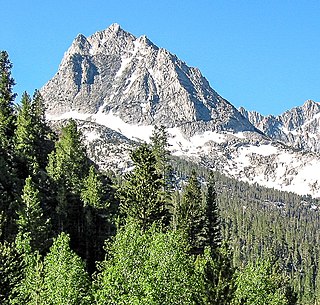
(263, 55)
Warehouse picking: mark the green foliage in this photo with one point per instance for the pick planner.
(213, 228)
(7, 126)
(11, 266)
(190, 215)
(262, 284)
(24, 135)
(159, 146)
(68, 163)
(6, 101)
(30, 288)
(67, 168)
(147, 267)
(31, 219)
(215, 273)
(65, 278)
(92, 192)
(32, 134)
(142, 196)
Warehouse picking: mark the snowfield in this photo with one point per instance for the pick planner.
(271, 165)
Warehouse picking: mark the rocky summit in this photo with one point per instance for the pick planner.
(298, 127)
(114, 72)
(118, 87)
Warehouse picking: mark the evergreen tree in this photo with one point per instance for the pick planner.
(31, 218)
(191, 215)
(92, 192)
(30, 288)
(68, 163)
(98, 211)
(43, 144)
(159, 145)
(142, 196)
(215, 273)
(11, 266)
(7, 119)
(7, 126)
(214, 236)
(65, 278)
(25, 138)
(67, 168)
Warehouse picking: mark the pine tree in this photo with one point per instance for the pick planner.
(159, 145)
(92, 192)
(7, 126)
(67, 168)
(11, 266)
(65, 278)
(191, 215)
(25, 138)
(68, 163)
(43, 144)
(30, 289)
(215, 273)
(141, 196)
(7, 119)
(98, 224)
(31, 219)
(212, 217)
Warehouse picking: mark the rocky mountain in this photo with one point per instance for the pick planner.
(118, 87)
(298, 127)
(113, 72)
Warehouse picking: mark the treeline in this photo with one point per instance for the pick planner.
(70, 234)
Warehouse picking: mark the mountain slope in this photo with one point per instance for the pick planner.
(298, 127)
(114, 72)
(118, 87)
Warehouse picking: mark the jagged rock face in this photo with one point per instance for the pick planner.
(118, 87)
(113, 71)
(298, 127)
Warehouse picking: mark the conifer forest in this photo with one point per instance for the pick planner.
(166, 232)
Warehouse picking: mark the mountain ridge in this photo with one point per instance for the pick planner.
(117, 81)
(298, 127)
(160, 88)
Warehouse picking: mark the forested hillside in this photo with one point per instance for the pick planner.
(166, 232)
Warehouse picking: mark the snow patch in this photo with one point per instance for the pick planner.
(131, 131)
(125, 59)
(207, 136)
(91, 136)
(263, 150)
(124, 63)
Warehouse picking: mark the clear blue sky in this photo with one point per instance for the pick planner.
(263, 55)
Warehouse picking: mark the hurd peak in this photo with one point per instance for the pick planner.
(115, 27)
(114, 71)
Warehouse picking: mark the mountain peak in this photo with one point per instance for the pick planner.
(115, 27)
(310, 104)
(114, 71)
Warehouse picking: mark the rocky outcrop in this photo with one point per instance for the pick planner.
(298, 127)
(113, 71)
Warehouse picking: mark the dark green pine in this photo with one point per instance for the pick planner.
(142, 196)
